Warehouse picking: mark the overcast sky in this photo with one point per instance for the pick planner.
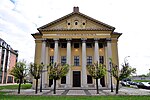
(20, 18)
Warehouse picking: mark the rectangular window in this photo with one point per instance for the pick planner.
(100, 45)
(89, 45)
(76, 60)
(63, 45)
(6, 60)
(52, 45)
(10, 79)
(89, 60)
(63, 60)
(52, 59)
(76, 45)
(101, 59)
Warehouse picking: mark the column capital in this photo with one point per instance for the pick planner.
(108, 39)
(83, 39)
(96, 39)
(68, 39)
(56, 39)
(43, 40)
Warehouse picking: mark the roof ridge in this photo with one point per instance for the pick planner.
(81, 14)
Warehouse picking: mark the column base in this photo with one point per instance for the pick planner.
(68, 86)
(99, 85)
(84, 85)
(109, 86)
(45, 85)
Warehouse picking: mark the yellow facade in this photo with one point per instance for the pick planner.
(76, 28)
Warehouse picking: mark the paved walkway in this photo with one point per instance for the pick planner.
(84, 92)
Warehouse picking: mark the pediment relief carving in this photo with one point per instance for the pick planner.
(76, 22)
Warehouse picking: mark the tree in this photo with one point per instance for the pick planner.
(125, 72)
(36, 70)
(56, 72)
(19, 72)
(97, 71)
(148, 74)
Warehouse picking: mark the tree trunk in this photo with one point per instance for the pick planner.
(97, 86)
(117, 86)
(19, 86)
(54, 86)
(36, 86)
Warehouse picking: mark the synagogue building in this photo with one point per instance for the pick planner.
(78, 40)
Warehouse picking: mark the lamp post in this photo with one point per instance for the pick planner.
(41, 77)
(111, 76)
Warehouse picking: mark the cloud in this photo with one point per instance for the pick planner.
(20, 18)
(16, 30)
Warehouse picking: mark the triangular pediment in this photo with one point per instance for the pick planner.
(76, 21)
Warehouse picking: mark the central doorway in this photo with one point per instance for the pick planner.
(76, 79)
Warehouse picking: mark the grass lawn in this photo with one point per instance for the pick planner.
(141, 80)
(23, 86)
(8, 97)
(4, 96)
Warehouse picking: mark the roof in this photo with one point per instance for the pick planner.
(7, 46)
(76, 12)
(117, 34)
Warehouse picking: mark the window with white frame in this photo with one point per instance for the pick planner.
(89, 60)
(63, 60)
(76, 60)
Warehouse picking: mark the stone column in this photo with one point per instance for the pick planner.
(43, 58)
(46, 63)
(56, 51)
(84, 75)
(56, 57)
(96, 56)
(68, 77)
(96, 51)
(108, 56)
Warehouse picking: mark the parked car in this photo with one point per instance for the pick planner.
(132, 83)
(144, 85)
(126, 79)
(124, 83)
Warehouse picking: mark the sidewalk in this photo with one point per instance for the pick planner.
(8, 84)
(84, 92)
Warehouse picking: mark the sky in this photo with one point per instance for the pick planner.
(20, 18)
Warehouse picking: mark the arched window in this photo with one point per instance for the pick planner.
(76, 22)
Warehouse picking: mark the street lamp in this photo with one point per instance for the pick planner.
(41, 78)
(111, 76)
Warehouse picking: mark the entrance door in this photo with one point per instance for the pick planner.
(76, 79)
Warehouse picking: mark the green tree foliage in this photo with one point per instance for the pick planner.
(125, 72)
(56, 72)
(19, 72)
(36, 70)
(148, 74)
(97, 71)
